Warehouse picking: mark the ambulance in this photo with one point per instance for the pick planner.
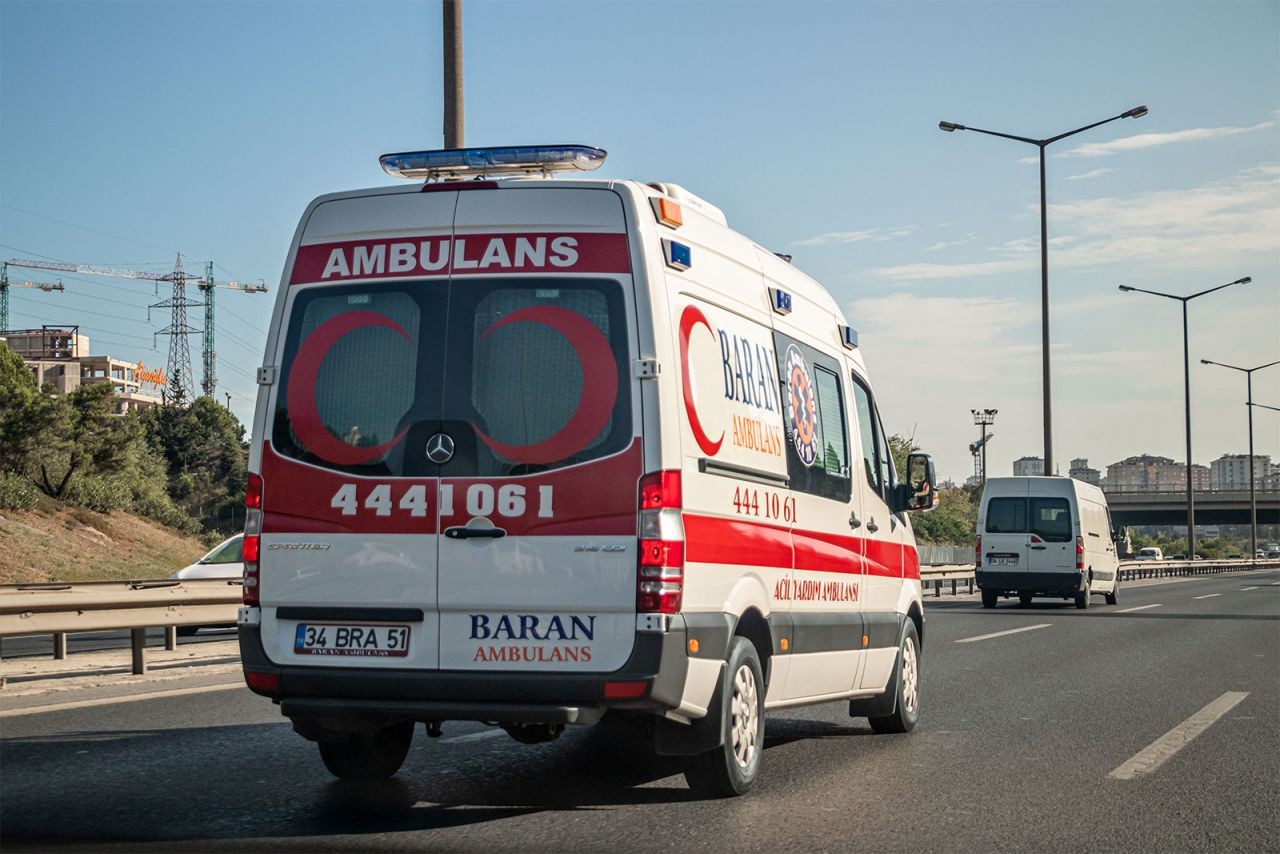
(533, 450)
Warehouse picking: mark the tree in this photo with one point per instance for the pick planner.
(18, 399)
(202, 448)
(953, 521)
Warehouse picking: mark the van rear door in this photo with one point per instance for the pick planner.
(537, 439)
(1004, 534)
(1051, 534)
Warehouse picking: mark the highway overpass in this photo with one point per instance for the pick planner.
(1217, 507)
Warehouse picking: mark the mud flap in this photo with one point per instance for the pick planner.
(882, 704)
(705, 733)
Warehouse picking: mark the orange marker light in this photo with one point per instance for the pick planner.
(693, 646)
(667, 212)
(865, 640)
(783, 644)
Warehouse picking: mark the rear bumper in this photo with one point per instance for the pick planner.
(345, 695)
(1036, 583)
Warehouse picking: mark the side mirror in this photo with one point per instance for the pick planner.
(919, 491)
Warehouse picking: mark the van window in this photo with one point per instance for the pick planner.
(877, 462)
(814, 420)
(1047, 518)
(524, 375)
(1007, 516)
(1051, 519)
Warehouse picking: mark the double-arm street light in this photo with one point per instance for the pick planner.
(1253, 498)
(1042, 144)
(1186, 373)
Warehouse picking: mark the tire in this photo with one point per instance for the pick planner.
(906, 710)
(989, 598)
(1082, 597)
(1114, 595)
(732, 768)
(369, 756)
(1024, 599)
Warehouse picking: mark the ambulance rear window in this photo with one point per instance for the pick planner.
(523, 375)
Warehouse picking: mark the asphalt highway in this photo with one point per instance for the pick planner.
(1152, 725)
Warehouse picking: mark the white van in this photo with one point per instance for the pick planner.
(1045, 536)
(1149, 553)
(529, 451)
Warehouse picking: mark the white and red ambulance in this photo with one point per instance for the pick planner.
(530, 450)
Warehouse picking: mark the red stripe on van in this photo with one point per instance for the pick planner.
(710, 539)
(461, 255)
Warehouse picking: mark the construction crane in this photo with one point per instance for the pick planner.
(179, 363)
(5, 284)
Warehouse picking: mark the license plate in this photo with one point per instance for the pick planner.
(334, 639)
(1002, 560)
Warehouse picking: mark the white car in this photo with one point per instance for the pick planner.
(1150, 553)
(225, 561)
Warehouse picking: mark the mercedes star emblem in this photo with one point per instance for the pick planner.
(440, 448)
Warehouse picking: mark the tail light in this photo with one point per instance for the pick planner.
(977, 554)
(660, 574)
(252, 530)
(1079, 552)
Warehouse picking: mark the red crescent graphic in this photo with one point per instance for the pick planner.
(691, 317)
(599, 386)
(301, 398)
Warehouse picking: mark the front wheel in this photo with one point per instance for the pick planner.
(732, 768)
(372, 756)
(907, 708)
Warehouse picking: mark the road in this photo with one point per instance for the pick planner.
(1022, 744)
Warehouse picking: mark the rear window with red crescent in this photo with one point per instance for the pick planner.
(520, 375)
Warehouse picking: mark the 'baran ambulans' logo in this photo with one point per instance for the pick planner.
(802, 410)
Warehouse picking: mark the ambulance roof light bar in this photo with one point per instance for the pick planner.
(462, 163)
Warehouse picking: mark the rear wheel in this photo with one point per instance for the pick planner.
(1024, 599)
(989, 598)
(907, 708)
(1082, 596)
(1114, 595)
(371, 756)
(732, 768)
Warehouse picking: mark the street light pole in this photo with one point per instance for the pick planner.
(1186, 372)
(983, 418)
(1249, 404)
(1042, 144)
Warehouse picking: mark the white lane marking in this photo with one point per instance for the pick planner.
(1006, 632)
(475, 736)
(1247, 588)
(128, 698)
(1138, 608)
(1206, 596)
(1275, 584)
(1155, 754)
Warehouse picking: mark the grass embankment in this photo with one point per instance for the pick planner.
(53, 542)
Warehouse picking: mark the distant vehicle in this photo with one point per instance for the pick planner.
(225, 561)
(1259, 554)
(1176, 557)
(1150, 553)
(1234, 556)
(1273, 553)
(1045, 536)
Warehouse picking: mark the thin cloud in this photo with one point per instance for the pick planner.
(947, 244)
(1086, 175)
(1166, 229)
(1151, 140)
(876, 235)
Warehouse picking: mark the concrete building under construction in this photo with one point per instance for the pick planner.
(59, 355)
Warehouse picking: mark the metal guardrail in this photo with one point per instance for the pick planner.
(936, 577)
(60, 609)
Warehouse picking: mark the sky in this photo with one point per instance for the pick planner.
(132, 131)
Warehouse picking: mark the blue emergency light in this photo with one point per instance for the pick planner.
(849, 337)
(779, 301)
(454, 163)
(678, 256)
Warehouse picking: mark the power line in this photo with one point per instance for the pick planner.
(87, 228)
(88, 311)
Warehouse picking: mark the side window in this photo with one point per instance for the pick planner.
(876, 459)
(814, 420)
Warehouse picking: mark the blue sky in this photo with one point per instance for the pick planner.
(207, 127)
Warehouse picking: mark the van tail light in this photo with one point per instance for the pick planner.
(977, 554)
(1079, 552)
(660, 573)
(252, 542)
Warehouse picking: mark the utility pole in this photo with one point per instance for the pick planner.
(178, 365)
(452, 73)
